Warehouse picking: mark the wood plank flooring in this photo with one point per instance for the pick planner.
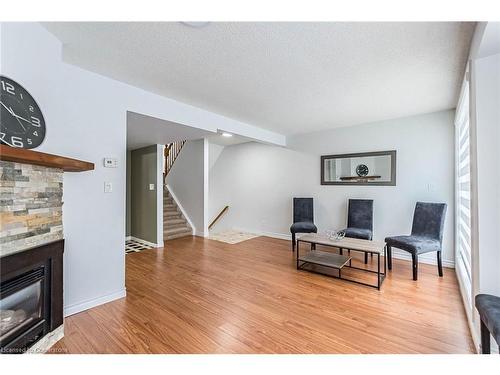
(203, 296)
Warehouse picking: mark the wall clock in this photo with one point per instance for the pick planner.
(362, 170)
(21, 120)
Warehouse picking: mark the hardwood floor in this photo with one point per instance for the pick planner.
(203, 296)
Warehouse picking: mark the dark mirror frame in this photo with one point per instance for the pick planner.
(391, 153)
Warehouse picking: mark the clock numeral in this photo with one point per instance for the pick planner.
(17, 142)
(35, 133)
(35, 121)
(30, 142)
(31, 108)
(6, 86)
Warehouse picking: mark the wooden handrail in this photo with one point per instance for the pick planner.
(170, 153)
(223, 211)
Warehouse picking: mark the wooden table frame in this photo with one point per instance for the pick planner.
(380, 275)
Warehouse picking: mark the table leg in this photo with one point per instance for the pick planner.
(298, 242)
(385, 259)
(378, 271)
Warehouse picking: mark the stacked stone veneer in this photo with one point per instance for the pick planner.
(30, 206)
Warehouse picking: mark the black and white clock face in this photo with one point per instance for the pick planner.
(362, 170)
(21, 120)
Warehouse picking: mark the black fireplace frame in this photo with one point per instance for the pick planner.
(47, 259)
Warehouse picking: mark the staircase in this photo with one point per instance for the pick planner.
(175, 224)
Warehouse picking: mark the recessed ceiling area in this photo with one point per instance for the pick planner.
(228, 141)
(145, 131)
(286, 77)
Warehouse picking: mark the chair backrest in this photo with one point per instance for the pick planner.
(428, 220)
(303, 210)
(360, 214)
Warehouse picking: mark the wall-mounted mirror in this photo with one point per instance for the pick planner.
(367, 168)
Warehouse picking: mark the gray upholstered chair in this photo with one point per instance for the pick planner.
(426, 235)
(303, 218)
(488, 307)
(360, 220)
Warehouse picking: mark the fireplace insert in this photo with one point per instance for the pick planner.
(23, 308)
(30, 296)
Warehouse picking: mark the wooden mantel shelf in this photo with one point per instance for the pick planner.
(21, 155)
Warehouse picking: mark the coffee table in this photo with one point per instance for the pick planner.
(339, 261)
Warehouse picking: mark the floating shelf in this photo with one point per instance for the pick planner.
(21, 155)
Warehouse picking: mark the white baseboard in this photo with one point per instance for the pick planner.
(200, 233)
(85, 305)
(147, 243)
(397, 254)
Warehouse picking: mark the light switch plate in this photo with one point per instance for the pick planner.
(151, 186)
(108, 187)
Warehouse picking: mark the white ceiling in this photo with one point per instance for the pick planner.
(490, 44)
(286, 77)
(229, 141)
(145, 131)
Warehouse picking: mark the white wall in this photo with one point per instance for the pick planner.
(160, 160)
(487, 83)
(214, 151)
(186, 181)
(259, 181)
(86, 116)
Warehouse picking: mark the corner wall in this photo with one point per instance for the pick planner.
(259, 181)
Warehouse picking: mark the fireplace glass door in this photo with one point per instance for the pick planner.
(21, 303)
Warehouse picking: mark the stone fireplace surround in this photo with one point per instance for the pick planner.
(31, 230)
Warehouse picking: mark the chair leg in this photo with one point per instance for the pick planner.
(485, 339)
(293, 242)
(389, 258)
(414, 257)
(440, 264)
(366, 258)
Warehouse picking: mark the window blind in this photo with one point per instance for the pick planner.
(463, 190)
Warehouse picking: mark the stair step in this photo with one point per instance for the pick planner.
(174, 236)
(169, 214)
(167, 226)
(172, 221)
(176, 232)
(169, 206)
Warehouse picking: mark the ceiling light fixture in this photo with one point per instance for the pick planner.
(227, 135)
(196, 25)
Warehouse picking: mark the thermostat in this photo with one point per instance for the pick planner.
(110, 163)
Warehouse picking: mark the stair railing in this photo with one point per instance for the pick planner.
(217, 218)
(171, 152)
